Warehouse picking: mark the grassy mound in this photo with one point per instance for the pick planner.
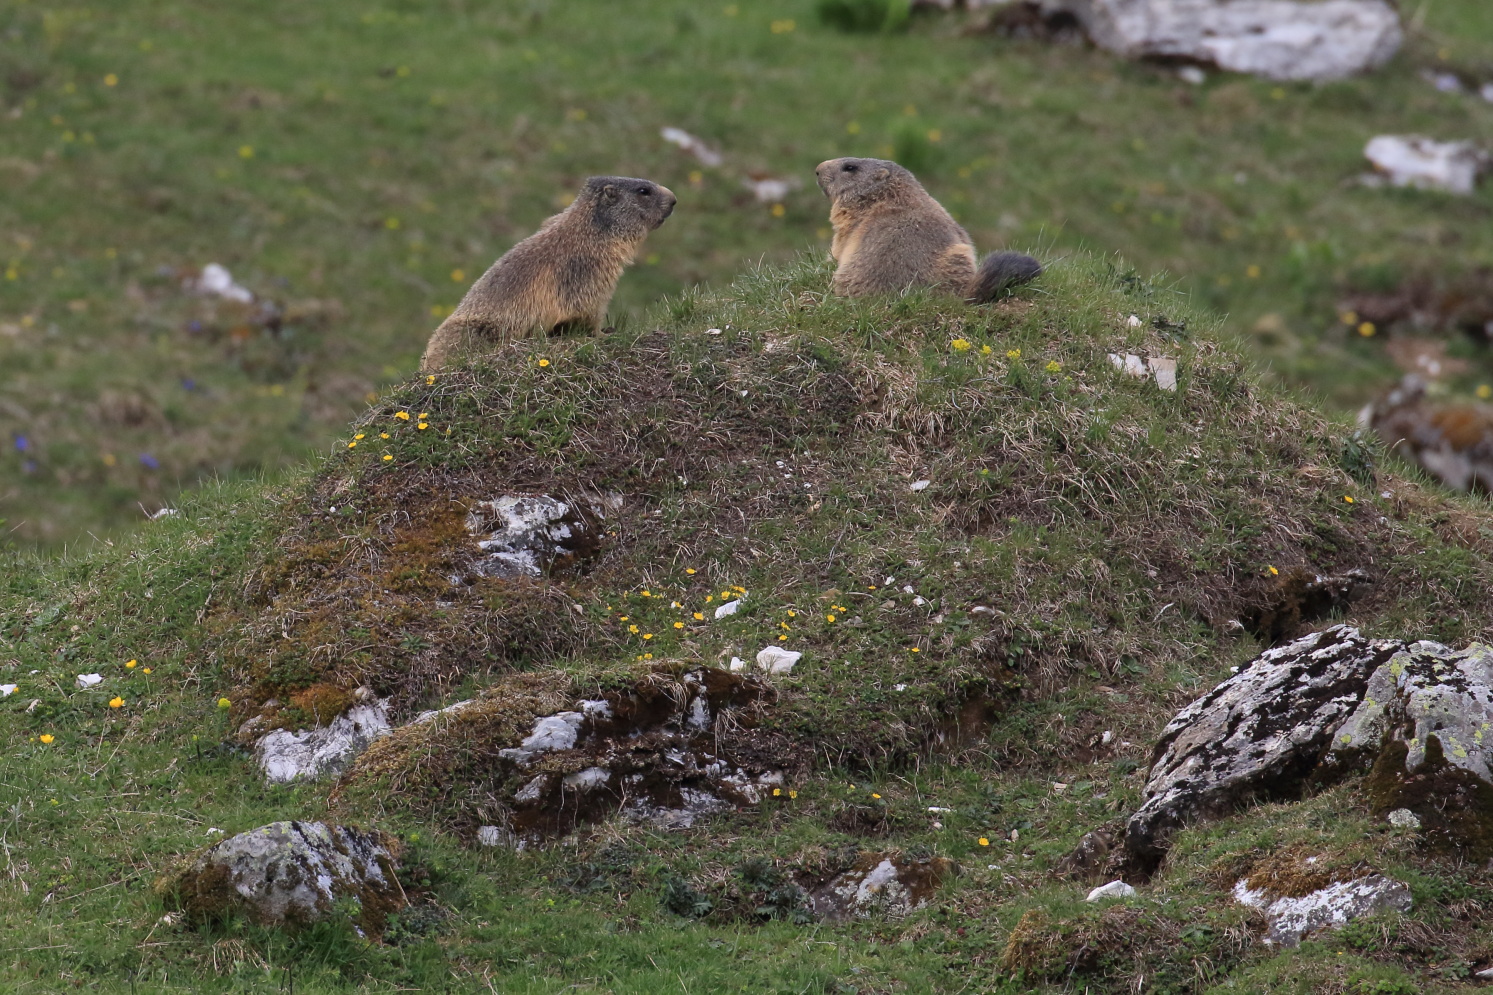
(1089, 552)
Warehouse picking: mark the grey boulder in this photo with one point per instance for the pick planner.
(292, 873)
(1258, 735)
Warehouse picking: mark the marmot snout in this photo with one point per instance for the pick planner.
(562, 276)
(890, 234)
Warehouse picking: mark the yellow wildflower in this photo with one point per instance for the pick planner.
(131, 665)
(358, 436)
(633, 629)
(647, 656)
(678, 625)
(384, 435)
(829, 618)
(960, 345)
(422, 426)
(689, 570)
(116, 702)
(352, 445)
(1252, 271)
(792, 614)
(984, 841)
(1348, 498)
(699, 616)
(1367, 329)
(1484, 391)
(985, 350)
(876, 796)
(792, 793)
(1013, 353)
(647, 635)
(544, 362)
(777, 792)
(402, 415)
(46, 738)
(224, 703)
(1273, 572)
(647, 593)
(111, 80)
(1053, 366)
(430, 379)
(145, 670)
(387, 457)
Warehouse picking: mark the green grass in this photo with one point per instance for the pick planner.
(1117, 532)
(350, 162)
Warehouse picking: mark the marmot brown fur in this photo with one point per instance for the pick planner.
(891, 235)
(563, 276)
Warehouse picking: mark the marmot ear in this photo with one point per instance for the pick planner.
(609, 193)
(883, 173)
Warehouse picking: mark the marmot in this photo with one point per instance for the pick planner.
(891, 235)
(562, 276)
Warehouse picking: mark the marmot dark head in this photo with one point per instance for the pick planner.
(626, 204)
(858, 179)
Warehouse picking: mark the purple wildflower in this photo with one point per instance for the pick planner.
(149, 462)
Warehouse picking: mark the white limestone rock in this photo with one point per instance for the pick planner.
(1417, 161)
(1276, 39)
(1115, 889)
(309, 754)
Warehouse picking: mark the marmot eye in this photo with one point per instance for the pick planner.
(644, 191)
(849, 167)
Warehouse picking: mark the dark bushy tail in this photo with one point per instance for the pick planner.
(1000, 272)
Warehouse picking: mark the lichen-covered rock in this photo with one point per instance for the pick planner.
(1426, 723)
(882, 884)
(1276, 39)
(525, 536)
(1292, 918)
(1259, 734)
(308, 754)
(291, 873)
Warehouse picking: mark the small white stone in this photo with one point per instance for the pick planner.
(1133, 321)
(712, 331)
(889, 582)
(899, 687)
(919, 485)
(1193, 75)
(89, 680)
(1115, 889)
(1108, 737)
(737, 664)
(1403, 818)
(919, 602)
(213, 829)
(491, 836)
(6, 690)
(776, 660)
(729, 608)
(906, 588)
(937, 810)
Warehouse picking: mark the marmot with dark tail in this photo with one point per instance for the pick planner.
(890, 235)
(559, 278)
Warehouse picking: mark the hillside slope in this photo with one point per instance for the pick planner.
(1004, 560)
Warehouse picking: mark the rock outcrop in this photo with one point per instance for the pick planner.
(1276, 39)
(882, 884)
(291, 873)
(667, 750)
(1451, 442)
(526, 536)
(1259, 734)
(1426, 724)
(1293, 918)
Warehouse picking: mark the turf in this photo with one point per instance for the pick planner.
(1117, 535)
(360, 166)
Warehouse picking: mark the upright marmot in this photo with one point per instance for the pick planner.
(562, 276)
(891, 235)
